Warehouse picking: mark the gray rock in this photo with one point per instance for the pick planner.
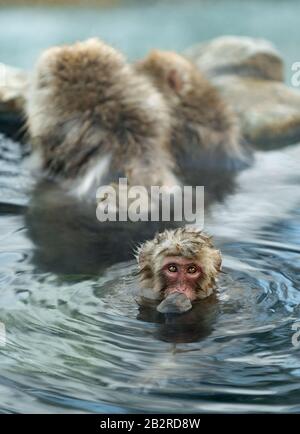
(242, 56)
(175, 303)
(249, 74)
(269, 111)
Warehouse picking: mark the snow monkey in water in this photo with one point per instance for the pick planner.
(93, 119)
(178, 267)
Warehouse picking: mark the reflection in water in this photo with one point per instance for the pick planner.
(69, 239)
(77, 340)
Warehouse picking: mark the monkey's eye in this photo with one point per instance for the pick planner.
(191, 269)
(172, 268)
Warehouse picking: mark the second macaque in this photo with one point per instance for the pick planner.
(205, 132)
(178, 267)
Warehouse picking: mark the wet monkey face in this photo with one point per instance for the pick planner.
(180, 262)
(181, 275)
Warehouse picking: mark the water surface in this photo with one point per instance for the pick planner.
(77, 341)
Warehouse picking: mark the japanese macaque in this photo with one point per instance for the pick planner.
(180, 267)
(205, 132)
(92, 120)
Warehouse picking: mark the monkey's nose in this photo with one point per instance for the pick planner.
(176, 302)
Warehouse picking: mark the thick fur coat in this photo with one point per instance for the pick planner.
(92, 119)
(204, 130)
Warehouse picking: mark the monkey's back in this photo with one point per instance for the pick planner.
(87, 112)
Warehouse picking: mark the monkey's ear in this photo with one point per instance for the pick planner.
(174, 80)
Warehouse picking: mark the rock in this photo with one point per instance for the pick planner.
(175, 303)
(238, 55)
(13, 84)
(249, 74)
(269, 111)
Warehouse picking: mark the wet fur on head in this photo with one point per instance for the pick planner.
(186, 242)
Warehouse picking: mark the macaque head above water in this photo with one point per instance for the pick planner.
(181, 274)
(179, 266)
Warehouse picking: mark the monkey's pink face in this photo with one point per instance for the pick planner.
(181, 275)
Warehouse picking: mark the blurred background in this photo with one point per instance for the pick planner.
(136, 26)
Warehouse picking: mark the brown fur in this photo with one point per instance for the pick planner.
(186, 242)
(204, 129)
(85, 102)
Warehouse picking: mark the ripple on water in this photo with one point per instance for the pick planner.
(79, 343)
